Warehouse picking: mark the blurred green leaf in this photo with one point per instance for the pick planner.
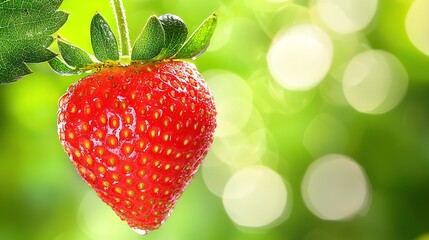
(103, 40)
(25, 29)
(175, 34)
(150, 41)
(200, 39)
(74, 56)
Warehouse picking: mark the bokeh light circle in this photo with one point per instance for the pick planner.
(255, 197)
(374, 82)
(216, 173)
(233, 98)
(229, 154)
(416, 24)
(345, 16)
(241, 149)
(335, 187)
(234, 152)
(300, 57)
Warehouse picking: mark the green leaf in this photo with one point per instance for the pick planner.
(199, 40)
(150, 41)
(25, 29)
(74, 56)
(61, 67)
(103, 40)
(175, 34)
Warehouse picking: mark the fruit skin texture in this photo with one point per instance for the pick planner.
(137, 135)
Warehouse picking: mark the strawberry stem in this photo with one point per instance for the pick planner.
(124, 37)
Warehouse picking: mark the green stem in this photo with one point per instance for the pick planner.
(121, 22)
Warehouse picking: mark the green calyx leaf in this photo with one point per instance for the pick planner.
(74, 56)
(175, 31)
(103, 40)
(162, 38)
(199, 40)
(165, 38)
(25, 34)
(150, 42)
(61, 67)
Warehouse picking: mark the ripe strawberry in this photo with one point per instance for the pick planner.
(138, 134)
(139, 127)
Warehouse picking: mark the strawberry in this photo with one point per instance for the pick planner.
(137, 135)
(139, 127)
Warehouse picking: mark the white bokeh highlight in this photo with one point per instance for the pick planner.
(374, 82)
(335, 187)
(300, 57)
(216, 173)
(255, 197)
(242, 149)
(231, 153)
(233, 98)
(345, 16)
(416, 24)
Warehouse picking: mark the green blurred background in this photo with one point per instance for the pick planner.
(323, 127)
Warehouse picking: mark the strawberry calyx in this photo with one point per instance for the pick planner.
(163, 38)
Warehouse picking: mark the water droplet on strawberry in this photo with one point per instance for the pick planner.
(140, 231)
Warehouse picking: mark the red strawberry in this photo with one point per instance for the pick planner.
(138, 134)
(139, 127)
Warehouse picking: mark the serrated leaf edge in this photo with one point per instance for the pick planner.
(17, 68)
